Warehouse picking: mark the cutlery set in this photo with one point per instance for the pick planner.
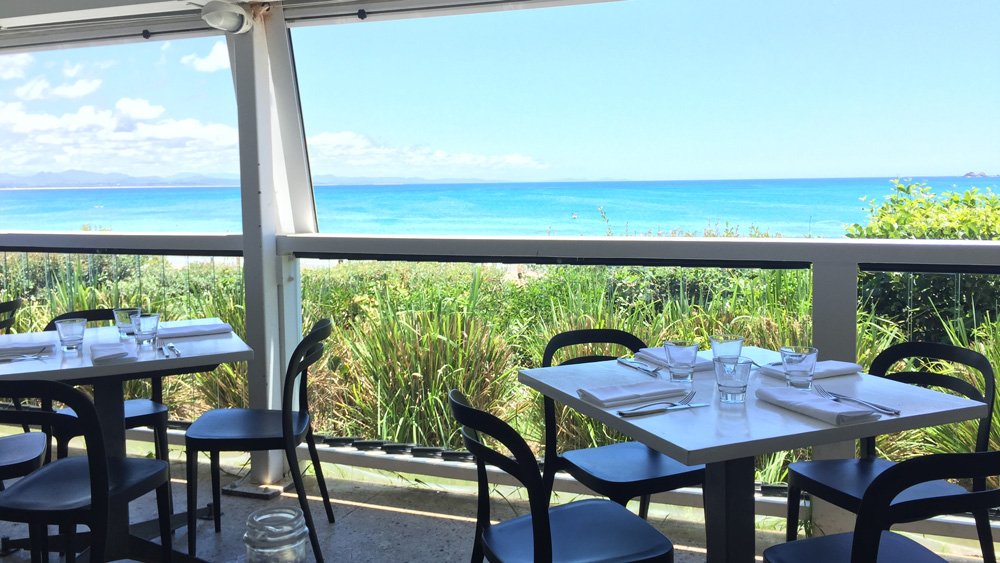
(169, 349)
(37, 355)
(662, 406)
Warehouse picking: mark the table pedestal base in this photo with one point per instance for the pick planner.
(729, 510)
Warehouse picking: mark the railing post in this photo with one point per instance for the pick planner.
(835, 333)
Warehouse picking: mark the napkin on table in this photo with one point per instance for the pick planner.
(17, 348)
(658, 356)
(111, 354)
(194, 330)
(616, 395)
(811, 404)
(826, 368)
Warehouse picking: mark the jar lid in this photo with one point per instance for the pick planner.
(275, 527)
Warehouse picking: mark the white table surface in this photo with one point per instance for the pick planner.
(77, 366)
(720, 432)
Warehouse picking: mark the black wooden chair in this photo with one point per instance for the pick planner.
(139, 413)
(844, 482)
(885, 503)
(8, 309)
(587, 530)
(249, 430)
(21, 454)
(619, 471)
(77, 490)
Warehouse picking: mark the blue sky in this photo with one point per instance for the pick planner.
(639, 89)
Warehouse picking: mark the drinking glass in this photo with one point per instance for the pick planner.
(732, 373)
(726, 345)
(799, 363)
(123, 320)
(681, 357)
(145, 325)
(71, 333)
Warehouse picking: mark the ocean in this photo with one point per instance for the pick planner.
(789, 207)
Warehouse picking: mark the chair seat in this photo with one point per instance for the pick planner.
(588, 530)
(242, 429)
(629, 469)
(21, 453)
(64, 485)
(843, 481)
(138, 412)
(893, 548)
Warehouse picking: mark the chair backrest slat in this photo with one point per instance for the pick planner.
(92, 316)
(8, 311)
(308, 351)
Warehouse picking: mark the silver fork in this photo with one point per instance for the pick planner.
(840, 398)
(28, 356)
(686, 399)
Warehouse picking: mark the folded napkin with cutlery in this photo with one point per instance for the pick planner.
(112, 354)
(810, 404)
(194, 330)
(25, 348)
(658, 357)
(617, 395)
(826, 368)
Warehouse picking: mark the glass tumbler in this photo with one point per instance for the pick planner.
(799, 363)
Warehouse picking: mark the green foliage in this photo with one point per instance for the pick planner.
(914, 211)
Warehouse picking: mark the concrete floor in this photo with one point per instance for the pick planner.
(391, 518)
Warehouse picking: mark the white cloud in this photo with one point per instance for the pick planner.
(77, 89)
(349, 153)
(103, 140)
(71, 71)
(14, 66)
(34, 89)
(217, 59)
(137, 108)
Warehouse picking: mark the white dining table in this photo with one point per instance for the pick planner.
(727, 437)
(198, 354)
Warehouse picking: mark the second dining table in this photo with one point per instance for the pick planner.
(197, 354)
(727, 437)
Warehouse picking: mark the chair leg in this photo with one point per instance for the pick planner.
(192, 499)
(163, 453)
(164, 512)
(37, 533)
(792, 521)
(216, 492)
(300, 488)
(70, 535)
(985, 536)
(319, 476)
(643, 506)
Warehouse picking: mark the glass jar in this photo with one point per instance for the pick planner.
(276, 535)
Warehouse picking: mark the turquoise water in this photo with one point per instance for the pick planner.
(807, 207)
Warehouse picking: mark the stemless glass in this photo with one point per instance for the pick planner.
(71, 333)
(145, 326)
(681, 357)
(799, 363)
(726, 345)
(123, 320)
(732, 373)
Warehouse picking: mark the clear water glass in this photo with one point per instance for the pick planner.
(71, 334)
(681, 357)
(123, 320)
(276, 535)
(726, 345)
(799, 363)
(145, 326)
(732, 374)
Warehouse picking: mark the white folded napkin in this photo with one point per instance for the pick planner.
(658, 356)
(17, 348)
(194, 330)
(811, 404)
(112, 354)
(616, 395)
(826, 368)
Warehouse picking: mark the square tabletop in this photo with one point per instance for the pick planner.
(721, 432)
(77, 367)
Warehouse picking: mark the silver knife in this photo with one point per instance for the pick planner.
(636, 364)
(874, 406)
(657, 410)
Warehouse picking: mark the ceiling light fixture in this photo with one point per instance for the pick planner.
(228, 16)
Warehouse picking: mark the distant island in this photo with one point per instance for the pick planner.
(975, 175)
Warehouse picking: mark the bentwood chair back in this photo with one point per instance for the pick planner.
(843, 482)
(8, 309)
(139, 413)
(591, 530)
(884, 503)
(79, 489)
(249, 430)
(620, 471)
